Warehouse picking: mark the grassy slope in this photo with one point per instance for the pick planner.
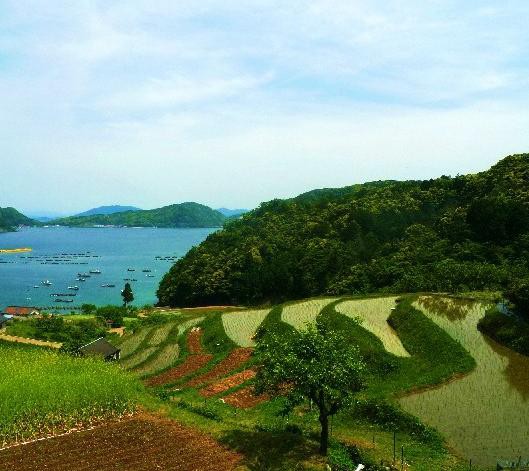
(44, 391)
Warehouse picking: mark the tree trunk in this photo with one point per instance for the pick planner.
(324, 437)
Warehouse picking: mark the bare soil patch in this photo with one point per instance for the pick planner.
(227, 383)
(245, 398)
(190, 365)
(194, 361)
(234, 360)
(194, 344)
(140, 443)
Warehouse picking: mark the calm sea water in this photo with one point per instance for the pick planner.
(59, 254)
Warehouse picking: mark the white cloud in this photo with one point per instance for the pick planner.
(165, 100)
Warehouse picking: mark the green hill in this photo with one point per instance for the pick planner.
(10, 218)
(176, 215)
(446, 234)
(107, 210)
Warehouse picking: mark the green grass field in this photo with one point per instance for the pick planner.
(45, 392)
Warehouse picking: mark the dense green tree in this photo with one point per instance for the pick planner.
(127, 294)
(518, 294)
(88, 309)
(470, 232)
(114, 314)
(318, 364)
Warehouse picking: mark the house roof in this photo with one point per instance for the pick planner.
(100, 346)
(20, 310)
(3, 319)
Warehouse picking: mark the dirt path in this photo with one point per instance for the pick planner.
(40, 343)
(140, 443)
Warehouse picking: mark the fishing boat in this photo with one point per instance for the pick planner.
(149, 276)
(96, 272)
(36, 286)
(75, 288)
(46, 283)
(108, 285)
(80, 279)
(131, 269)
(146, 271)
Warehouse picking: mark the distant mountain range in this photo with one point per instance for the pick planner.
(104, 210)
(230, 213)
(176, 215)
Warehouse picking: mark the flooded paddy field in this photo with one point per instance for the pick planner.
(485, 415)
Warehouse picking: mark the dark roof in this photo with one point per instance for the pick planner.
(99, 347)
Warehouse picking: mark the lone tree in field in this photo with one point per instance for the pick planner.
(319, 364)
(127, 294)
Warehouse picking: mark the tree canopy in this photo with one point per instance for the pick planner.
(319, 364)
(463, 233)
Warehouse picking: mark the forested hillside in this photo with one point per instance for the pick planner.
(447, 234)
(10, 218)
(176, 215)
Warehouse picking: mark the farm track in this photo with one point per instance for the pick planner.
(194, 361)
(234, 360)
(245, 399)
(40, 343)
(140, 443)
(227, 383)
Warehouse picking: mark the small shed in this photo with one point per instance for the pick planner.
(3, 321)
(22, 311)
(102, 348)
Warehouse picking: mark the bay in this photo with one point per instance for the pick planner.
(60, 253)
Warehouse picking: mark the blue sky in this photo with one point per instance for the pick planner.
(233, 103)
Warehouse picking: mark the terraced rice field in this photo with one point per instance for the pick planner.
(241, 326)
(130, 343)
(188, 324)
(227, 383)
(299, 315)
(485, 415)
(137, 358)
(161, 333)
(165, 358)
(233, 361)
(374, 315)
(140, 443)
(195, 360)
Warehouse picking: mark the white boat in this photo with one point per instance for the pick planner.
(96, 272)
(73, 287)
(46, 283)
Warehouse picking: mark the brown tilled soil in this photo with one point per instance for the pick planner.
(194, 361)
(234, 360)
(140, 443)
(190, 365)
(194, 345)
(227, 383)
(244, 398)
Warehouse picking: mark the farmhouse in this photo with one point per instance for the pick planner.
(102, 348)
(22, 311)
